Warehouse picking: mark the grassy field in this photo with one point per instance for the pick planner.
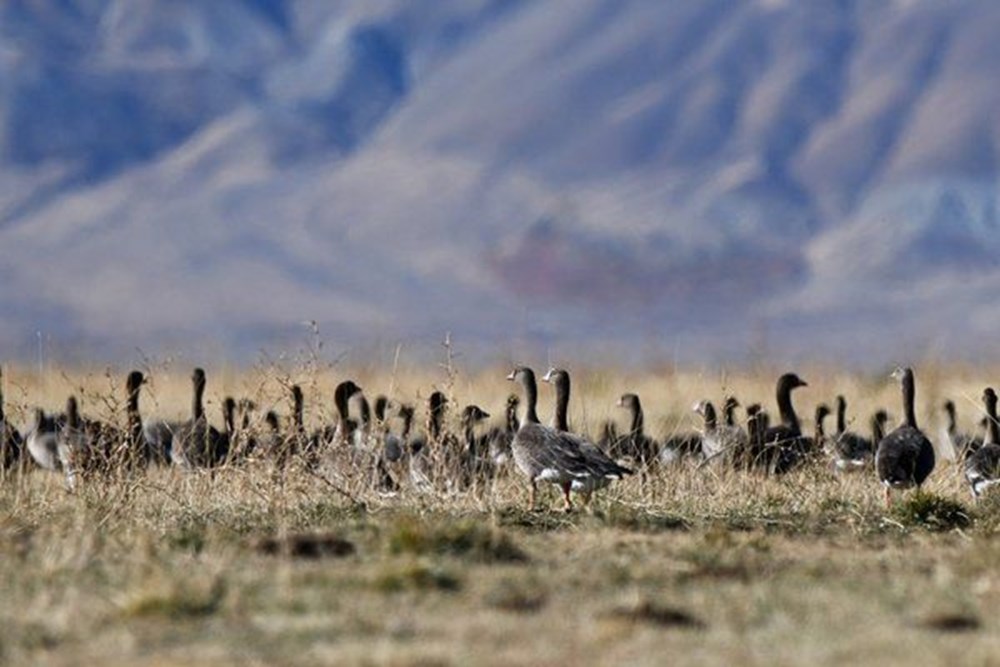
(696, 566)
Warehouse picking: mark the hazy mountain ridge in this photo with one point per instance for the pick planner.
(501, 169)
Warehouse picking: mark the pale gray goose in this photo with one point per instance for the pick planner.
(545, 454)
(905, 457)
(982, 467)
(723, 442)
(559, 378)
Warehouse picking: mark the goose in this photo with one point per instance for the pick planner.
(477, 466)
(297, 440)
(369, 444)
(42, 441)
(610, 440)
(419, 447)
(500, 437)
(74, 446)
(820, 439)
(559, 378)
(962, 444)
(680, 445)
(729, 410)
(137, 451)
(637, 445)
(545, 454)
(727, 441)
(196, 443)
(11, 442)
(392, 444)
(229, 439)
(271, 441)
(982, 467)
(784, 445)
(339, 433)
(905, 457)
(851, 451)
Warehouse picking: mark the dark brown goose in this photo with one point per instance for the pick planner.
(500, 437)
(137, 452)
(962, 444)
(476, 465)
(636, 445)
(729, 411)
(11, 443)
(851, 451)
(905, 457)
(340, 433)
(196, 443)
(982, 467)
(784, 445)
(820, 439)
(545, 454)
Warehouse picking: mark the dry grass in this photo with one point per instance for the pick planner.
(694, 567)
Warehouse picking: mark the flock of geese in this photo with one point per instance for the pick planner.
(381, 447)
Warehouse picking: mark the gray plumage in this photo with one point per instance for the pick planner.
(545, 454)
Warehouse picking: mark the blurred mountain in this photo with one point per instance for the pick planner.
(709, 174)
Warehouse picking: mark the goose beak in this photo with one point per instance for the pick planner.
(620, 403)
(697, 407)
(485, 415)
(548, 375)
(512, 375)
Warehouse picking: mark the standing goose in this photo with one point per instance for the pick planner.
(500, 437)
(728, 442)
(559, 378)
(76, 454)
(196, 443)
(340, 433)
(820, 439)
(905, 457)
(10, 440)
(545, 454)
(477, 466)
(784, 444)
(637, 445)
(729, 410)
(982, 468)
(962, 444)
(42, 441)
(136, 452)
(850, 450)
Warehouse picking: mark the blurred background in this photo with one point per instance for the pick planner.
(692, 180)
